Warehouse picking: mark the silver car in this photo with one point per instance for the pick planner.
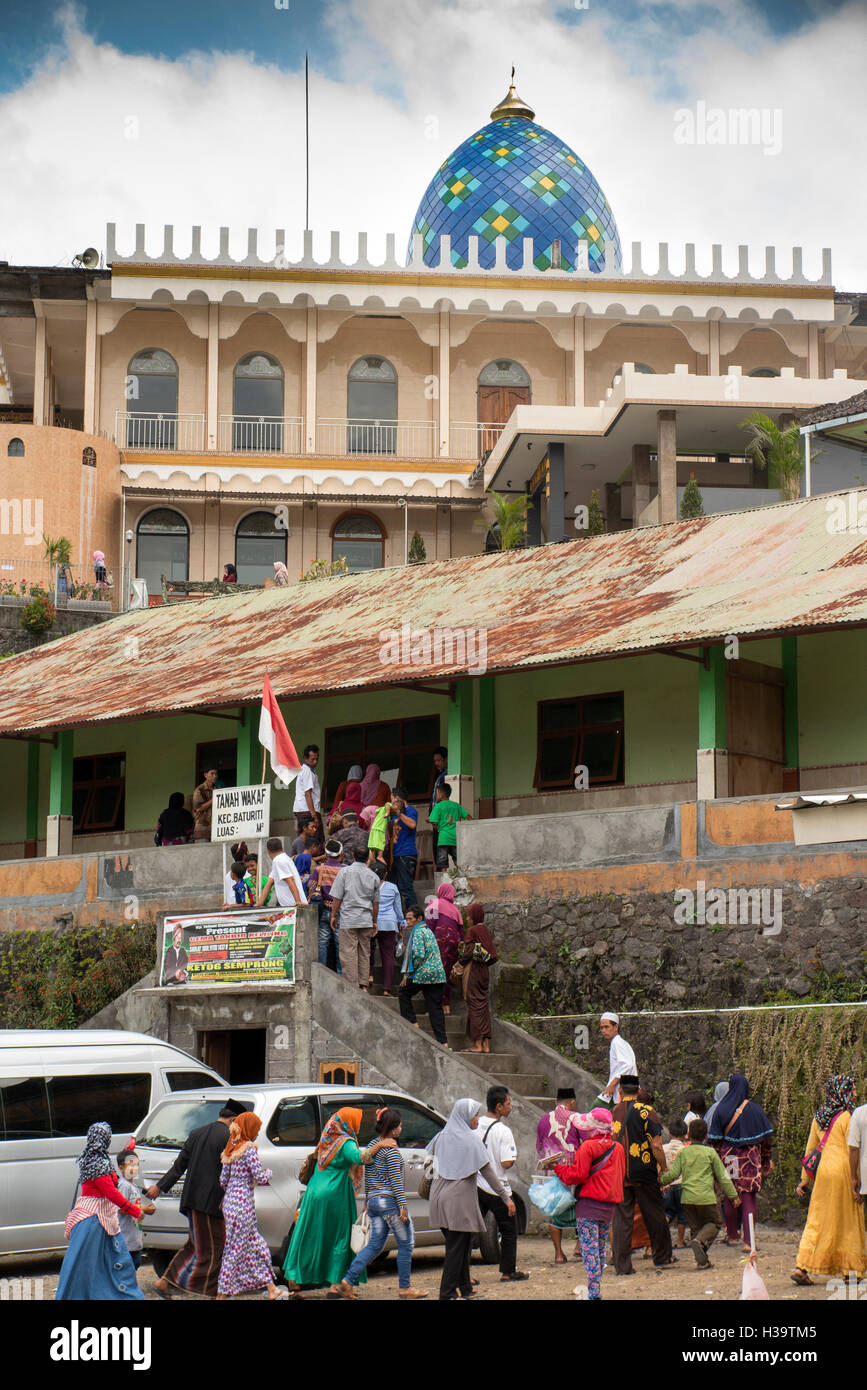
(293, 1117)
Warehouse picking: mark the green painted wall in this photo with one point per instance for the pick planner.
(832, 683)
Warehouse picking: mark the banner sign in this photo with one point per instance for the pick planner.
(221, 948)
(241, 813)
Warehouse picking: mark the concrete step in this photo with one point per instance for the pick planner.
(500, 1062)
(455, 1027)
(523, 1083)
(545, 1103)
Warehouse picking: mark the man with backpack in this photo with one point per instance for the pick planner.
(499, 1140)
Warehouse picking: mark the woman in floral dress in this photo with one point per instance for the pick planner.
(246, 1262)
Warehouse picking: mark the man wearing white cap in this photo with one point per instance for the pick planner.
(621, 1058)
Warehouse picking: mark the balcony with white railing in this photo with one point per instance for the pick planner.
(260, 434)
(162, 432)
(471, 440)
(407, 439)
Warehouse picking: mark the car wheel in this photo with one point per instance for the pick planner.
(489, 1241)
(161, 1259)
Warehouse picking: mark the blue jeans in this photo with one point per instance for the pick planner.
(384, 1213)
(328, 951)
(403, 874)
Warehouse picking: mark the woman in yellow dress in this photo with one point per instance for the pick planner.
(833, 1241)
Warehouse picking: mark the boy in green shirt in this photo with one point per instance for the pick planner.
(445, 816)
(699, 1166)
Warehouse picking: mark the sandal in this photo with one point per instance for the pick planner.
(800, 1276)
(411, 1293)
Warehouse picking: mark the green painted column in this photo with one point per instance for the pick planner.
(60, 784)
(460, 740)
(31, 831)
(487, 747)
(712, 700)
(790, 712)
(249, 748)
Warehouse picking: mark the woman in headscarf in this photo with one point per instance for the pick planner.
(741, 1133)
(445, 921)
(349, 788)
(597, 1169)
(319, 1249)
(97, 1263)
(478, 954)
(720, 1090)
(230, 574)
(459, 1157)
(281, 574)
(246, 1263)
(374, 792)
(304, 863)
(833, 1239)
(175, 824)
(100, 573)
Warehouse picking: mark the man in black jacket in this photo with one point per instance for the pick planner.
(196, 1268)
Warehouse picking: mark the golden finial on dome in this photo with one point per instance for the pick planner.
(512, 105)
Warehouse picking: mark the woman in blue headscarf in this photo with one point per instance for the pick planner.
(97, 1263)
(741, 1133)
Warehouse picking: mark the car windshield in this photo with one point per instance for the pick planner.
(169, 1126)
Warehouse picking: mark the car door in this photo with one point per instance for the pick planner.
(368, 1102)
(290, 1134)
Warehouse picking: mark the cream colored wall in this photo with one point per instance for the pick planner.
(394, 339)
(150, 328)
(661, 348)
(529, 344)
(762, 347)
(261, 333)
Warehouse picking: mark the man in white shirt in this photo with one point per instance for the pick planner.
(308, 796)
(499, 1140)
(284, 878)
(621, 1058)
(858, 1151)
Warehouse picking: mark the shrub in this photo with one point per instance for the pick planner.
(325, 569)
(691, 504)
(417, 552)
(61, 978)
(39, 616)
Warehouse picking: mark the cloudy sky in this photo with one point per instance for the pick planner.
(189, 112)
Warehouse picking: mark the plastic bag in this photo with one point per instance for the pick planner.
(551, 1196)
(753, 1285)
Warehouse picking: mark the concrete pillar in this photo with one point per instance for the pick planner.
(640, 480)
(578, 360)
(249, 767)
(443, 381)
(212, 416)
(556, 492)
(58, 831)
(711, 756)
(91, 349)
(534, 518)
(310, 406)
(713, 348)
(40, 372)
(613, 515)
(666, 463)
(792, 769)
(487, 747)
(812, 351)
(31, 830)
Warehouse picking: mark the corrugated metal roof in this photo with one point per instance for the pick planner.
(772, 569)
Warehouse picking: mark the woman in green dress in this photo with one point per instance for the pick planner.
(319, 1251)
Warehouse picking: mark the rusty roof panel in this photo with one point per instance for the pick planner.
(773, 569)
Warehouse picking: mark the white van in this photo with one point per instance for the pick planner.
(53, 1086)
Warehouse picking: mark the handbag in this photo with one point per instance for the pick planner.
(428, 1173)
(307, 1169)
(810, 1162)
(551, 1196)
(360, 1233)
(457, 973)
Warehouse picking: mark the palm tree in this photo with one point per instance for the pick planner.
(508, 525)
(57, 552)
(777, 450)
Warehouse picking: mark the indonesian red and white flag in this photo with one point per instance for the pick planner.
(274, 736)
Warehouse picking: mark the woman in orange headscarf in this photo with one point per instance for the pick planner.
(246, 1263)
(319, 1248)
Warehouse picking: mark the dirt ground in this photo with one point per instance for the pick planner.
(682, 1282)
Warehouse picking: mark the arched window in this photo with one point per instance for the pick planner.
(503, 373)
(371, 407)
(503, 385)
(15, 448)
(162, 548)
(257, 403)
(152, 400)
(359, 539)
(764, 371)
(259, 541)
(88, 457)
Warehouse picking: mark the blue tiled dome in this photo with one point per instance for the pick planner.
(515, 179)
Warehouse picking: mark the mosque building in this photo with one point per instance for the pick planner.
(259, 410)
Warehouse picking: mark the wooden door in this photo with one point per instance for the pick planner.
(755, 728)
(496, 404)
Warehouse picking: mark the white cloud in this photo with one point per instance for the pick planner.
(219, 138)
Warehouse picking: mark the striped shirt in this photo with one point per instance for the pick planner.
(384, 1176)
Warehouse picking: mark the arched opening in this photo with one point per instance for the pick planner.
(358, 537)
(641, 367)
(764, 371)
(162, 548)
(371, 409)
(15, 448)
(152, 400)
(257, 403)
(259, 541)
(502, 385)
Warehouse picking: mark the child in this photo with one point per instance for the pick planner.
(444, 817)
(130, 1229)
(377, 834)
(241, 889)
(252, 878)
(673, 1200)
(700, 1166)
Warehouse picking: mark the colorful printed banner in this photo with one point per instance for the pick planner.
(221, 948)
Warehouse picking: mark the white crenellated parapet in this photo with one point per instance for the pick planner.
(358, 260)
